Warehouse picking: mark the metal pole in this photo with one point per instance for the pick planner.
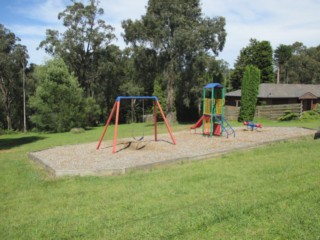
(107, 124)
(166, 122)
(203, 109)
(24, 98)
(115, 135)
(155, 120)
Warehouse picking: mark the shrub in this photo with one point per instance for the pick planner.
(310, 115)
(77, 130)
(249, 93)
(288, 116)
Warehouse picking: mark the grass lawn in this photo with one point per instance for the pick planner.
(272, 192)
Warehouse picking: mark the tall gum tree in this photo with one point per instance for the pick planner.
(85, 36)
(175, 29)
(13, 58)
(281, 56)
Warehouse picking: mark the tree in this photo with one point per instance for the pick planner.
(58, 102)
(281, 55)
(263, 60)
(249, 93)
(79, 46)
(304, 65)
(176, 31)
(258, 54)
(13, 58)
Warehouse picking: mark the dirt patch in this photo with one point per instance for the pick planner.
(84, 159)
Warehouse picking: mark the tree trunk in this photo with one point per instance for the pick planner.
(170, 101)
(278, 75)
(170, 76)
(7, 103)
(7, 107)
(9, 122)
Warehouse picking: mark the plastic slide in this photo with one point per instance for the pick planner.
(198, 123)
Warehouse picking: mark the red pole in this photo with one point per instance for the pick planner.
(107, 125)
(155, 121)
(115, 135)
(166, 122)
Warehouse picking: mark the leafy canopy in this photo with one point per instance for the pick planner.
(259, 54)
(177, 31)
(85, 36)
(13, 59)
(58, 102)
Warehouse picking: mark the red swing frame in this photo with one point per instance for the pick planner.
(116, 110)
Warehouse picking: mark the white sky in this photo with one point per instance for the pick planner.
(277, 21)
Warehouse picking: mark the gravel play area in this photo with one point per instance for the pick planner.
(84, 159)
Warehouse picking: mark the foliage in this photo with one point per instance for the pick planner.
(199, 71)
(288, 116)
(259, 54)
(249, 93)
(310, 115)
(159, 92)
(13, 59)
(172, 30)
(304, 65)
(90, 112)
(281, 56)
(111, 74)
(77, 130)
(86, 35)
(58, 102)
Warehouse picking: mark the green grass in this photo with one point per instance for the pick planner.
(272, 192)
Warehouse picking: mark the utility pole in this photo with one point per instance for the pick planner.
(24, 98)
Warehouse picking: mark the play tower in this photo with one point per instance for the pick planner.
(212, 120)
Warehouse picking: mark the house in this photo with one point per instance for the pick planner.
(308, 96)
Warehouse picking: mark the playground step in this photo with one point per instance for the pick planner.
(227, 128)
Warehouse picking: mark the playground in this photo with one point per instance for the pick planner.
(210, 136)
(85, 159)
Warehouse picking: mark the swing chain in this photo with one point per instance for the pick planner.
(133, 130)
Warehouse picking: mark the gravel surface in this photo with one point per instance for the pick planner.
(84, 159)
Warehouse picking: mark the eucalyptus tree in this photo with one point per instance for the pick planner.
(13, 59)
(176, 30)
(304, 64)
(281, 56)
(86, 34)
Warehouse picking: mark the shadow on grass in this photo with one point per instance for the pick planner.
(6, 144)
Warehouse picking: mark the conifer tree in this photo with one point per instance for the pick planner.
(249, 93)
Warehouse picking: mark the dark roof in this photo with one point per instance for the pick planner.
(271, 90)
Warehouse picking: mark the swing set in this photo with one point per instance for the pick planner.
(116, 110)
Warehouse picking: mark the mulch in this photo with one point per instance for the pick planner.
(84, 159)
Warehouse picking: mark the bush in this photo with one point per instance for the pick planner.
(310, 115)
(77, 130)
(317, 109)
(288, 116)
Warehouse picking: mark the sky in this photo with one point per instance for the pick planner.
(277, 21)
